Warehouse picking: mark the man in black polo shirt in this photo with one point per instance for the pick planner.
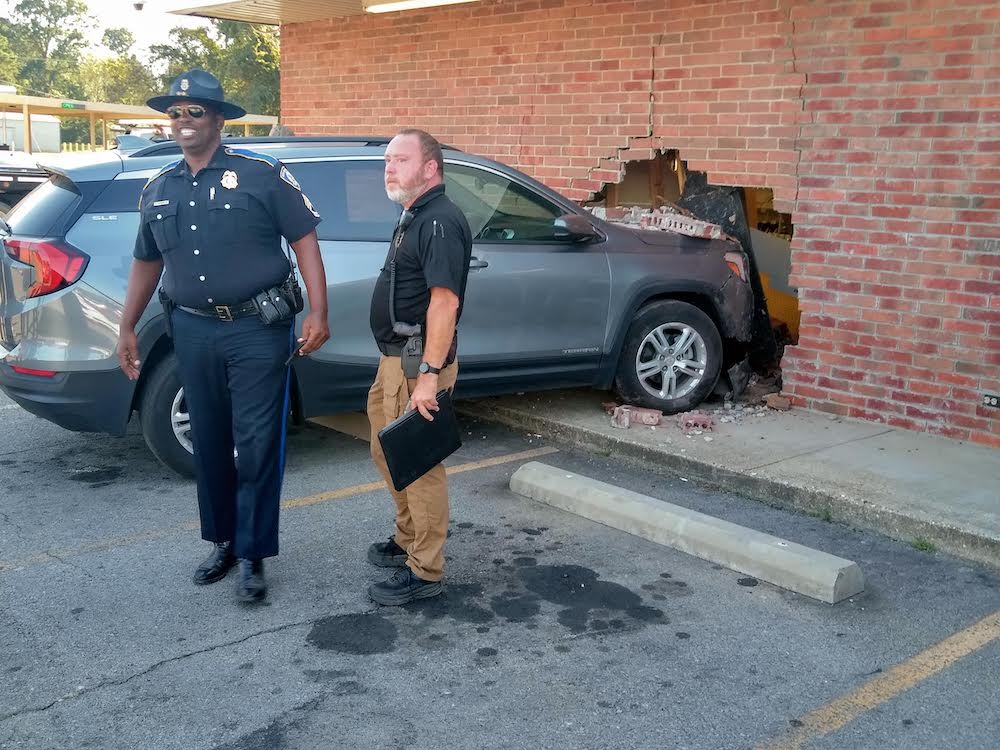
(212, 224)
(431, 249)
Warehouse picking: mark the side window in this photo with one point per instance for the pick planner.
(118, 197)
(350, 196)
(499, 210)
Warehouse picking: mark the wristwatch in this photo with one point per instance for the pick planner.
(426, 368)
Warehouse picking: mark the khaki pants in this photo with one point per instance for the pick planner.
(422, 508)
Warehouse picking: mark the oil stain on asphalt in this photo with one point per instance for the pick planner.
(524, 592)
(361, 634)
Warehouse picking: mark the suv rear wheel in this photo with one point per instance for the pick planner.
(163, 416)
(671, 358)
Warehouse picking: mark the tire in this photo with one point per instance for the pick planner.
(164, 419)
(650, 348)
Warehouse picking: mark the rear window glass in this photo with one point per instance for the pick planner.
(350, 197)
(36, 214)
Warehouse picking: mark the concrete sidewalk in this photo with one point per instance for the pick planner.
(917, 488)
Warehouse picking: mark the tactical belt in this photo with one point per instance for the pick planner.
(222, 312)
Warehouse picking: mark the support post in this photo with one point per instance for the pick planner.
(27, 128)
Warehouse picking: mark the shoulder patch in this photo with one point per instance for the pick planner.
(168, 168)
(287, 177)
(253, 155)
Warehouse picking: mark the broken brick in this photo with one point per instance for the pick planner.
(778, 402)
(695, 420)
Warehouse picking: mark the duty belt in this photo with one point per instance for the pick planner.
(222, 312)
(390, 350)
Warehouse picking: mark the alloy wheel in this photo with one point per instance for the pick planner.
(671, 361)
(180, 421)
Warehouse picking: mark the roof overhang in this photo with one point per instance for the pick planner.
(273, 12)
(279, 12)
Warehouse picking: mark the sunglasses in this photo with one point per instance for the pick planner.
(193, 110)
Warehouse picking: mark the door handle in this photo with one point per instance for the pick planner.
(474, 262)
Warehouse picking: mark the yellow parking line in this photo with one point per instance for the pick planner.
(43, 558)
(842, 711)
(360, 489)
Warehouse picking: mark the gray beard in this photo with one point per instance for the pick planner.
(402, 197)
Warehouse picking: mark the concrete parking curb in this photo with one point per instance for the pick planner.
(963, 541)
(792, 566)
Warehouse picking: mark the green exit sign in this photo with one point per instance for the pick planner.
(73, 105)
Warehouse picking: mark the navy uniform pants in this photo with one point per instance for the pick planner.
(236, 390)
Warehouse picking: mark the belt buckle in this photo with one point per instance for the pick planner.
(224, 312)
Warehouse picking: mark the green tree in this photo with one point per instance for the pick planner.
(187, 49)
(9, 67)
(45, 37)
(118, 40)
(123, 80)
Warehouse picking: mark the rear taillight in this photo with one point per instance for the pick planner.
(737, 263)
(36, 373)
(56, 265)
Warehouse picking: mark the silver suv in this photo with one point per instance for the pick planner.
(556, 297)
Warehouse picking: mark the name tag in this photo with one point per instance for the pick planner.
(161, 203)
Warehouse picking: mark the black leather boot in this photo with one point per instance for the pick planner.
(250, 584)
(216, 565)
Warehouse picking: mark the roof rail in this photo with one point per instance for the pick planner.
(172, 147)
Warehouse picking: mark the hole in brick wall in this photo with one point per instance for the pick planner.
(760, 211)
(773, 252)
(648, 183)
(661, 180)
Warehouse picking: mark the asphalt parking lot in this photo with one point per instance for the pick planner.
(553, 632)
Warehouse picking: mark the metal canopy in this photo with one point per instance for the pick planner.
(37, 105)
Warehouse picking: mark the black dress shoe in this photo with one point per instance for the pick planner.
(387, 554)
(402, 588)
(250, 585)
(216, 565)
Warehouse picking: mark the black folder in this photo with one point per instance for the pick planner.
(413, 446)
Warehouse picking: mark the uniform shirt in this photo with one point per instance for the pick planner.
(433, 250)
(219, 232)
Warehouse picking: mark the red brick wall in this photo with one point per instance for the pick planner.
(897, 224)
(875, 123)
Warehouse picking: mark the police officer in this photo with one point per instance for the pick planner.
(431, 249)
(212, 223)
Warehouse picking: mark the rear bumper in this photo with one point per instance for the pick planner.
(87, 401)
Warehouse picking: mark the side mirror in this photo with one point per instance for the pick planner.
(574, 228)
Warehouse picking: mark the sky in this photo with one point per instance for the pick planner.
(151, 25)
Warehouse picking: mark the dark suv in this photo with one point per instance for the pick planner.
(556, 297)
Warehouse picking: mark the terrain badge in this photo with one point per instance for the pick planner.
(287, 177)
(229, 180)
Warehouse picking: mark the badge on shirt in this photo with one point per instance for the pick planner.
(309, 205)
(161, 203)
(287, 177)
(229, 180)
